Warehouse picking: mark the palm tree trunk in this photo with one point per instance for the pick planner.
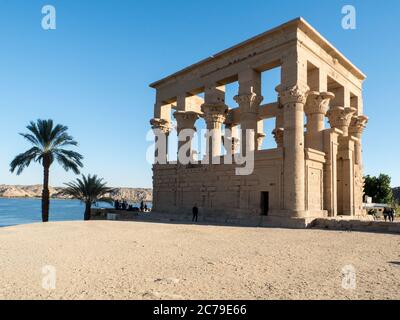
(45, 192)
(88, 209)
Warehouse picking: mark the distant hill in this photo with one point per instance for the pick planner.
(35, 191)
(396, 194)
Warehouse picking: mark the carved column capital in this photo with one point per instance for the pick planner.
(161, 124)
(318, 102)
(278, 135)
(186, 119)
(357, 125)
(214, 114)
(229, 123)
(249, 103)
(260, 136)
(294, 94)
(340, 117)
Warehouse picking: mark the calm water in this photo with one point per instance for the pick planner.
(21, 211)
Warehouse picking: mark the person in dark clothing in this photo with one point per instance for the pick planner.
(385, 213)
(124, 205)
(116, 205)
(391, 214)
(141, 206)
(195, 212)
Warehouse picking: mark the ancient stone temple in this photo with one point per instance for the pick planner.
(316, 168)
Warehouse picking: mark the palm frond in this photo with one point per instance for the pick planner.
(58, 131)
(68, 163)
(89, 188)
(23, 160)
(45, 128)
(50, 141)
(31, 138)
(63, 140)
(32, 127)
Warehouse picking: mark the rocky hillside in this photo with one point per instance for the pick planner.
(129, 194)
(133, 194)
(396, 194)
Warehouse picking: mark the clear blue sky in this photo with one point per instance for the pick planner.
(92, 72)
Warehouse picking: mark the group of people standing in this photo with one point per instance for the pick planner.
(388, 213)
(125, 206)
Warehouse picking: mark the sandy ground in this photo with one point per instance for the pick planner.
(133, 260)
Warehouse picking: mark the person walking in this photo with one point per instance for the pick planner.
(195, 212)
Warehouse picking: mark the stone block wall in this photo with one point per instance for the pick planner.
(216, 189)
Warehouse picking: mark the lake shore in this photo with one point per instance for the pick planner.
(136, 260)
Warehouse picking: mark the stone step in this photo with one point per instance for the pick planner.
(356, 225)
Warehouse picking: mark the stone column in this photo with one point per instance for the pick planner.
(186, 120)
(260, 136)
(330, 170)
(293, 100)
(215, 112)
(279, 116)
(231, 141)
(214, 115)
(357, 126)
(249, 99)
(316, 108)
(356, 129)
(249, 105)
(161, 128)
(278, 136)
(339, 118)
(278, 131)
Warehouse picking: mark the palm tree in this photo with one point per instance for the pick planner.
(89, 190)
(48, 143)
